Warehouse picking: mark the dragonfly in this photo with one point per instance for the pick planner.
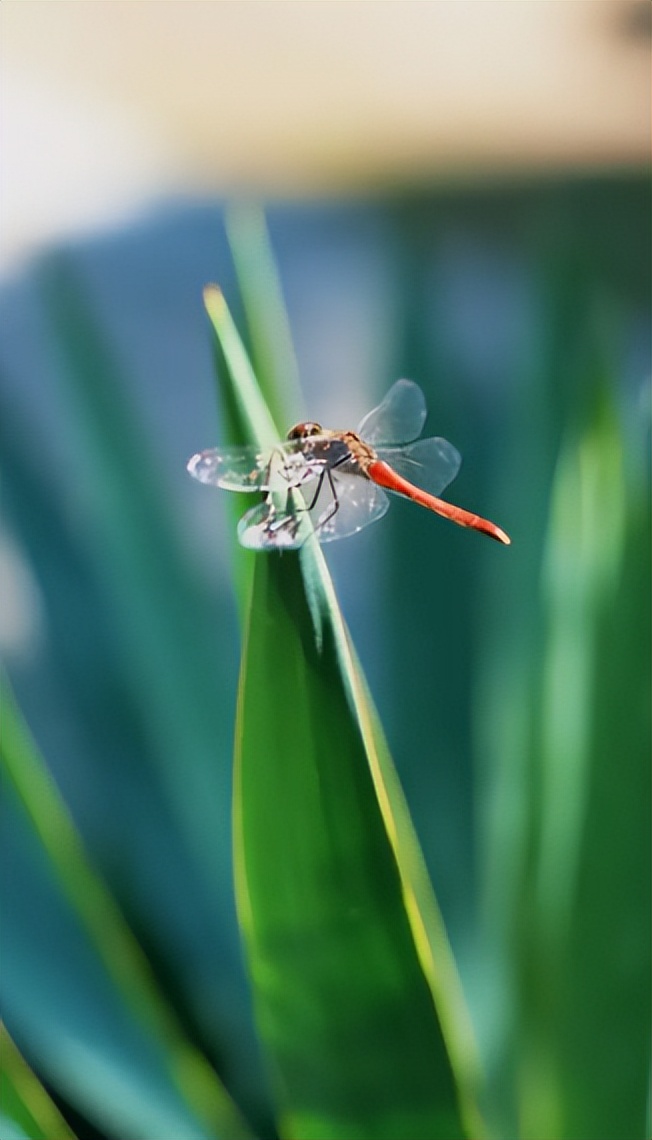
(335, 482)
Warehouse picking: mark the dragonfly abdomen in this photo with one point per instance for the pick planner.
(383, 475)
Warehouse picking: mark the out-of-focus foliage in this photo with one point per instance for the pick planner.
(513, 684)
(188, 1079)
(26, 1111)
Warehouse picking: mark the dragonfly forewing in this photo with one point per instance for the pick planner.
(236, 469)
(287, 464)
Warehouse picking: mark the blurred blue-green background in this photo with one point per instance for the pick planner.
(513, 684)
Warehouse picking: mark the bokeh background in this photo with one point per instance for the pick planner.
(457, 192)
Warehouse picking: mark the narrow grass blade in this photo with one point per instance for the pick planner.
(581, 917)
(114, 943)
(248, 416)
(355, 990)
(272, 352)
(26, 1107)
(585, 934)
(137, 554)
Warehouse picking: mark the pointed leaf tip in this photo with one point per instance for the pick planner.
(213, 300)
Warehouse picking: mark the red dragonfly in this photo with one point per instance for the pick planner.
(338, 479)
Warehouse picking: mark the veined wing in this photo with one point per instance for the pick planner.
(339, 509)
(292, 463)
(274, 527)
(235, 469)
(400, 417)
(429, 463)
(359, 502)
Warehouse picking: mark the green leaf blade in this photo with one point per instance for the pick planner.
(586, 946)
(343, 1002)
(183, 1071)
(27, 1110)
(346, 951)
(272, 351)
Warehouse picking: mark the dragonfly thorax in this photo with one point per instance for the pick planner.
(302, 431)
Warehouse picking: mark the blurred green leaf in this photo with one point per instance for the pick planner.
(114, 944)
(27, 1110)
(149, 584)
(89, 719)
(272, 352)
(246, 418)
(11, 1130)
(357, 998)
(249, 418)
(586, 936)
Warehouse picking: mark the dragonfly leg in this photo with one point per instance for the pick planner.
(320, 484)
(335, 502)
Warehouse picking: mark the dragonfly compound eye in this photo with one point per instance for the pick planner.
(302, 431)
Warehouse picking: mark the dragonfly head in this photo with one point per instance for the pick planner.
(302, 431)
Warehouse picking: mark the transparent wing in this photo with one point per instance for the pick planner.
(335, 511)
(235, 469)
(359, 502)
(270, 527)
(400, 417)
(292, 463)
(429, 463)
